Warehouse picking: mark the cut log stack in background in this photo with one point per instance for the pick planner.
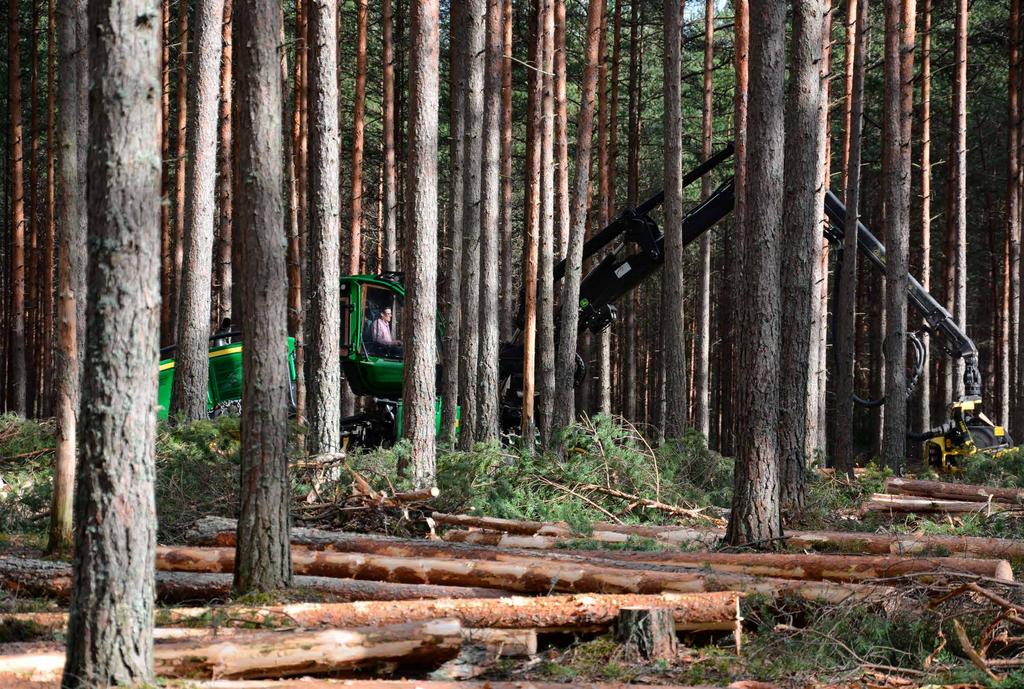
(413, 605)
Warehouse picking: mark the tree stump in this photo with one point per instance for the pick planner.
(649, 633)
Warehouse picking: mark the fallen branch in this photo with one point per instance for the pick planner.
(972, 654)
(689, 512)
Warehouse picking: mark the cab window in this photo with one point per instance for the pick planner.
(383, 321)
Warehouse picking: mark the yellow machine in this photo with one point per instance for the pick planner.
(966, 433)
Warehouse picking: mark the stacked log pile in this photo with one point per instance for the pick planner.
(905, 496)
(415, 604)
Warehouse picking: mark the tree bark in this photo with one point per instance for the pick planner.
(1010, 363)
(191, 363)
(488, 416)
(646, 632)
(601, 342)
(755, 513)
(17, 381)
(674, 337)
(958, 184)
(801, 222)
(110, 627)
(569, 318)
(323, 405)
(48, 242)
(473, 134)
(421, 246)
(898, 110)
(166, 232)
(71, 224)
(224, 176)
(264, 562)
(630, 379)
(562, 212)
(532, 240)
(923, 412)
(452, 288)
(390, 167)
(296, 159)
(846, 298)
(702, 377)
(545, 266)
(358, 127)
(508, 304)
(178, 238)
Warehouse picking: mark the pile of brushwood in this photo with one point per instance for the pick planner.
(529, 569)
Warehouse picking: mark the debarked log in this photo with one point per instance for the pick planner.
(424, 644)
(945, 490)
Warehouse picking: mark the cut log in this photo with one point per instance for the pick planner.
(885, 503)
(848, 568)
(420, 645)
(647, 633)
(945, 490)
(417, 684)
(422, 495)
(513, 526)
(534, 542)
(522, 575)
(691, 612)
(45, 578)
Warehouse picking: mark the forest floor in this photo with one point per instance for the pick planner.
(787, 641)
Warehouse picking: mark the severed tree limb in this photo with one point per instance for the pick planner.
(972, 654)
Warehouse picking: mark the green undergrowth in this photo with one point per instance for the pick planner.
(511, 482)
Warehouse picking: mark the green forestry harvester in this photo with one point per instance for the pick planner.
(372, 356)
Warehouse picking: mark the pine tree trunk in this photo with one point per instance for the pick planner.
(755, 506)
(490, 206)
(532, 239)
(923, 412)
(452, 288)
(17, 382)
(421, 245)
(46, 276)
(507, 297)
(801, 224)
(469, 322)
(569, 321)
(674, 336)
(1010, 362)
(110, 630)
(263, 561)
(358, 127)
(191, 366)
(602, 340)
(178, 236)
(390, 169)
(166, 240)
(223, 258)
(295, 167)
(844, 337)
(734, 272)
(958, 183)
(562, 212)
(32, 313)
(323, 327)
(702, 362)
(71, 272)
(897, 111)
(630, 379)
(545, 267)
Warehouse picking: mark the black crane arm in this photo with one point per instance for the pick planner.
(641, 252)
